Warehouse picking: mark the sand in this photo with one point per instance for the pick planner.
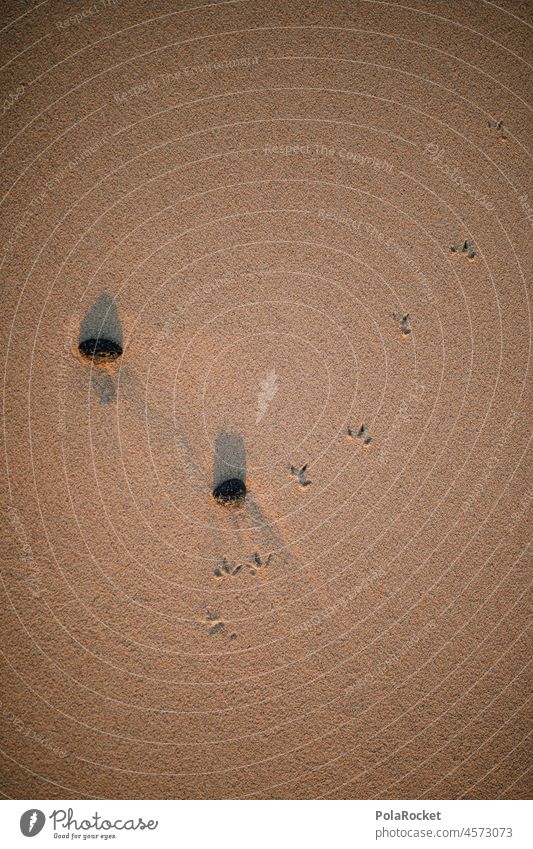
(257, 202)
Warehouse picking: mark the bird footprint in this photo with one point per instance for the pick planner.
(360, 435)
(466, 248)
(215, 623)
(228, 567)
(259, 562)
(300, 475)
(404, 321)
(498, 126)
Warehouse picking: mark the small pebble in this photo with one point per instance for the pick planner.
(100, 350)
(230, 493)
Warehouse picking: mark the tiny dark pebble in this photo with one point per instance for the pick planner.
(230, 492)
(233, 636)
(217, 573)
(217, 628)
(213, 617)
(100, 349)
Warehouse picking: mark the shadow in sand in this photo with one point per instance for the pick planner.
(101, 342)
(229, 465)
(271, 539)
(230, 458)
(102, 322)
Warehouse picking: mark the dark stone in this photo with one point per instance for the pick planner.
(230, 492)
(100, 349)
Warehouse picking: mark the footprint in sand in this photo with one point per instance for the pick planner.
(497, 126)
(227, 567)
(404, 322)
(300, 475)
(217, 624)
(466, 249)
(360, 435)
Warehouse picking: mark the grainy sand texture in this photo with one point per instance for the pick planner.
(291, 239)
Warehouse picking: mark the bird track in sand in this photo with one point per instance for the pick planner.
(234, 567)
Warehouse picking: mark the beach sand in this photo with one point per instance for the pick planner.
(256, 203)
